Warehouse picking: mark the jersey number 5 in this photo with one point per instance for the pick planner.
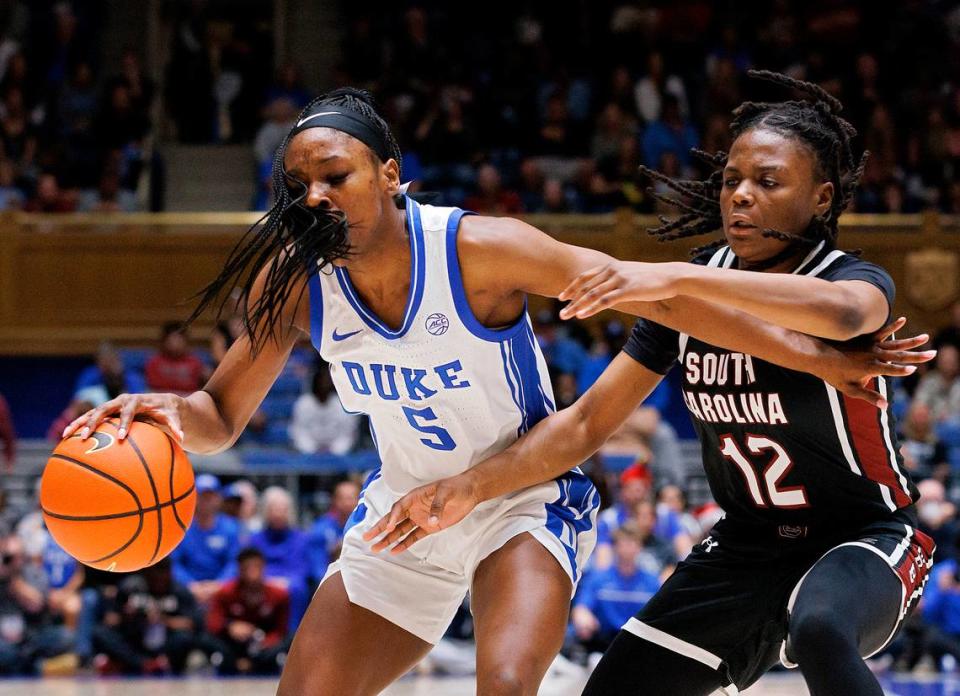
(439, 438)
(774, 471)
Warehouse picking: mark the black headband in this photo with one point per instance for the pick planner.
(347, 121)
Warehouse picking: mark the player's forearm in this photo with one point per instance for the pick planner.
(809, 305)
(737, 331)
(555, 445)
(205, 430)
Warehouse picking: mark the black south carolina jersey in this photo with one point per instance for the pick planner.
(782, 446)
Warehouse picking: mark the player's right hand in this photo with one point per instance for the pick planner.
(852, 370)
(423, 511)
(161, 410)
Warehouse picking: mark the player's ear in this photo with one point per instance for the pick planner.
(824, 198)
(390, 171)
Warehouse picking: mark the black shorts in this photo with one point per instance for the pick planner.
(728, 604)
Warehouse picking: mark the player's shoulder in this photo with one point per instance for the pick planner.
(843, 265)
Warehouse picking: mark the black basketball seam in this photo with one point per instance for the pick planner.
(133, 493)
(117, 515)
(176, 515)
(156, 495)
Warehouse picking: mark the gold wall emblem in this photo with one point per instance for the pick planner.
(932, 278)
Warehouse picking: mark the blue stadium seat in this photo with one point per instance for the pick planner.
(277, 406)
(953, 457)
(136, 358)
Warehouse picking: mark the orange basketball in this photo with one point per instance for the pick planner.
(118, 505)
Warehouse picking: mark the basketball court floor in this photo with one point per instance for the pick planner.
(771, 685)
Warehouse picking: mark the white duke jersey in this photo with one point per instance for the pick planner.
(442, 391)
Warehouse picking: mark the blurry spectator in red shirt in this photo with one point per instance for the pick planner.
(248, 620)
(50, 198)
(491, 198)
(174, 369)
(8, 436)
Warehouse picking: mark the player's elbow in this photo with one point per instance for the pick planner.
(587, 433)
(849, 321)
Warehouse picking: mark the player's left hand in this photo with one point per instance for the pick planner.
(603, 287)
(423, 511)
(851, 369)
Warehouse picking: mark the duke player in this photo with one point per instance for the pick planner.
(818, 559)
(420, 312)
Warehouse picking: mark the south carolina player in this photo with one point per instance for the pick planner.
(818, 559)
(420, 312)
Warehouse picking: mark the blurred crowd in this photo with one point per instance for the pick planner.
(528, 110)
(75, 135)
(534, 110)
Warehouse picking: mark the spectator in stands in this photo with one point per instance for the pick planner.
(950, 334)
(11, 197)
(82, 401)
(923, 453)
(941, 610)
(109, 371)
(284, 548)
(279, 117)
(633, 500)
(647, 436)
(939, 389)
(937, 517)
(672, 497)
(531, 186)
(48, 197)
(655, 87)
(8, 435)
(248, 617)
(241, 502)
(289, 85)
(559, 137)
(613, 127)
(658, 551)
(108, 197)
(670, 133)
(175, 369)
(319, 423)
(326, 534)
(151, 625)
(490, 197)
(28, 634)
(17, 135)
(206, 557)
(607, 599)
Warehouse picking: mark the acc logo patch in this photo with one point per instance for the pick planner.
(437, 324)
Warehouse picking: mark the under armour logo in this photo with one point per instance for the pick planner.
(709, 544)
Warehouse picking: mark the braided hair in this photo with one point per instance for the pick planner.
(815, 122)
(291, 240)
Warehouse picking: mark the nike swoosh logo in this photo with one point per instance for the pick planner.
(322, 113)
(343, 337)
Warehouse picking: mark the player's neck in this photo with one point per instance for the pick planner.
(386, 263)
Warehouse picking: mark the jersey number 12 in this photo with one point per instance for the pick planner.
(773, 473)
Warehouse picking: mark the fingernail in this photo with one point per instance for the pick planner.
(64, 433)
(434, 520)
(122, 433)
(882, 405)
(181, 435)
(911, 369)
(84, 433)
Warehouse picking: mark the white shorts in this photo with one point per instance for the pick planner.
(421, 588)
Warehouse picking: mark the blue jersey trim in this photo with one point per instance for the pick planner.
(360, 511)
(316, 310)
(460, 296)
(571, 514)
(417, 274)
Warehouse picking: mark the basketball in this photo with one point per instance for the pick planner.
(118, 505)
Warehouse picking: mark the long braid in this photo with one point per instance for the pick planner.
(291, 240)
(815, 121)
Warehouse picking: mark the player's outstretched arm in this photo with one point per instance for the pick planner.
(519, 258)
(211, 420)
(555, 445)
(838, 310)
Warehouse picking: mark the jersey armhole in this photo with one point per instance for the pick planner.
(460, 296)
(316, 310)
